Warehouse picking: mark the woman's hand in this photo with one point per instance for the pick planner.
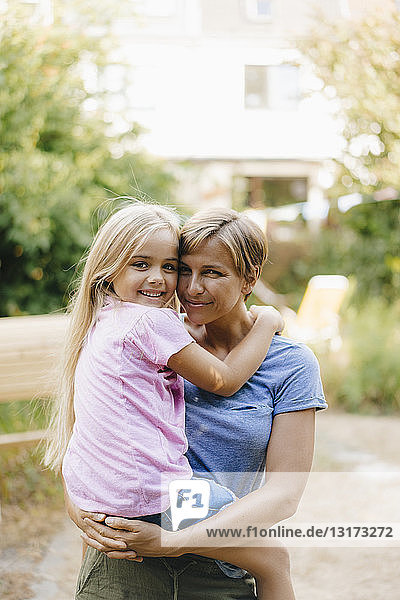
(270, 314)
(137, 537)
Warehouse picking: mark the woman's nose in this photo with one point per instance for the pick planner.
(195, 286)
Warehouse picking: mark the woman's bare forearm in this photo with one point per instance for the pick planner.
(233, 526)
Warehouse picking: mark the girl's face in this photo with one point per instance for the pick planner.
(151, 276)
(209, 287)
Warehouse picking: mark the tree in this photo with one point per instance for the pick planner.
(359, 65)
(58, 162)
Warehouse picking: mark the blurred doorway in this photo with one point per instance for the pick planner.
(263, 192)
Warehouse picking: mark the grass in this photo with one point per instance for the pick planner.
(31, 501)
(26, 487)
(24, 481)
(22, 415)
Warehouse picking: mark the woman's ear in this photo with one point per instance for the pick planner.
(247, 288)
(250, 281)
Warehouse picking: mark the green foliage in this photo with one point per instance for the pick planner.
(358, 63)
(22, 415)
(365, 375)
(371, 249)
(23, 480)
(57, 162)
(363, 244)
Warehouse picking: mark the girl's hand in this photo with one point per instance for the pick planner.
(82, 518)
(269, 314)
(138, 537)
(77, 515)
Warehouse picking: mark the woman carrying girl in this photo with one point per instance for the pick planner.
(265, 429)
(120, 422)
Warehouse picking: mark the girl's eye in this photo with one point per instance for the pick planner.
(140, 264)
(169, 267)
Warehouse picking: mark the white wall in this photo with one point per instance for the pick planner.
(198, 109)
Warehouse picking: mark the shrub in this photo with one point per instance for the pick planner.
(364, 375)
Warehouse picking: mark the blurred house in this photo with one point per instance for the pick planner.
(219, 85)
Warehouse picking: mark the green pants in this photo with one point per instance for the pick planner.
(183, 578)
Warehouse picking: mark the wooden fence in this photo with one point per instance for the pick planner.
(29, 349)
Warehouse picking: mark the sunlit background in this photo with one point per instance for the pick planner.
(285, 109)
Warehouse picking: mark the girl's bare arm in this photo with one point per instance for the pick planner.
(226, 377)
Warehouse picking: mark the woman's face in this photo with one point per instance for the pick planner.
(209, 287)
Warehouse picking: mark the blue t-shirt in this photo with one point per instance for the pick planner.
(228, 437)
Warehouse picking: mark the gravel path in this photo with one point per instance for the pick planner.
(57, 572)
(344, 443)
(367, 445)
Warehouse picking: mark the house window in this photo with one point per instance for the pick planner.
(272, 87)
(259, 10)
(256, 91)
(263, 8)
(344, 9)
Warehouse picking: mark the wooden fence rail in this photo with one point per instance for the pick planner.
(29, 350)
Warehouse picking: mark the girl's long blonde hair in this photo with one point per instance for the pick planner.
(117, 240)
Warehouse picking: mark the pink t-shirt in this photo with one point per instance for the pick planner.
(129, 410)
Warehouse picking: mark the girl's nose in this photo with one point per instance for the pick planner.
(155, 276)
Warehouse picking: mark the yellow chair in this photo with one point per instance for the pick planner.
(317, 319)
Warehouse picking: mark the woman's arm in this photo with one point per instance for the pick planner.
(289, 459)
(226, 377)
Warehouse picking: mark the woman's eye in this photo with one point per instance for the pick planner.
(184, 271)
(212, 272)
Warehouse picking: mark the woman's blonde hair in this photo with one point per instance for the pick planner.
(243, 239)
(117, 240)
